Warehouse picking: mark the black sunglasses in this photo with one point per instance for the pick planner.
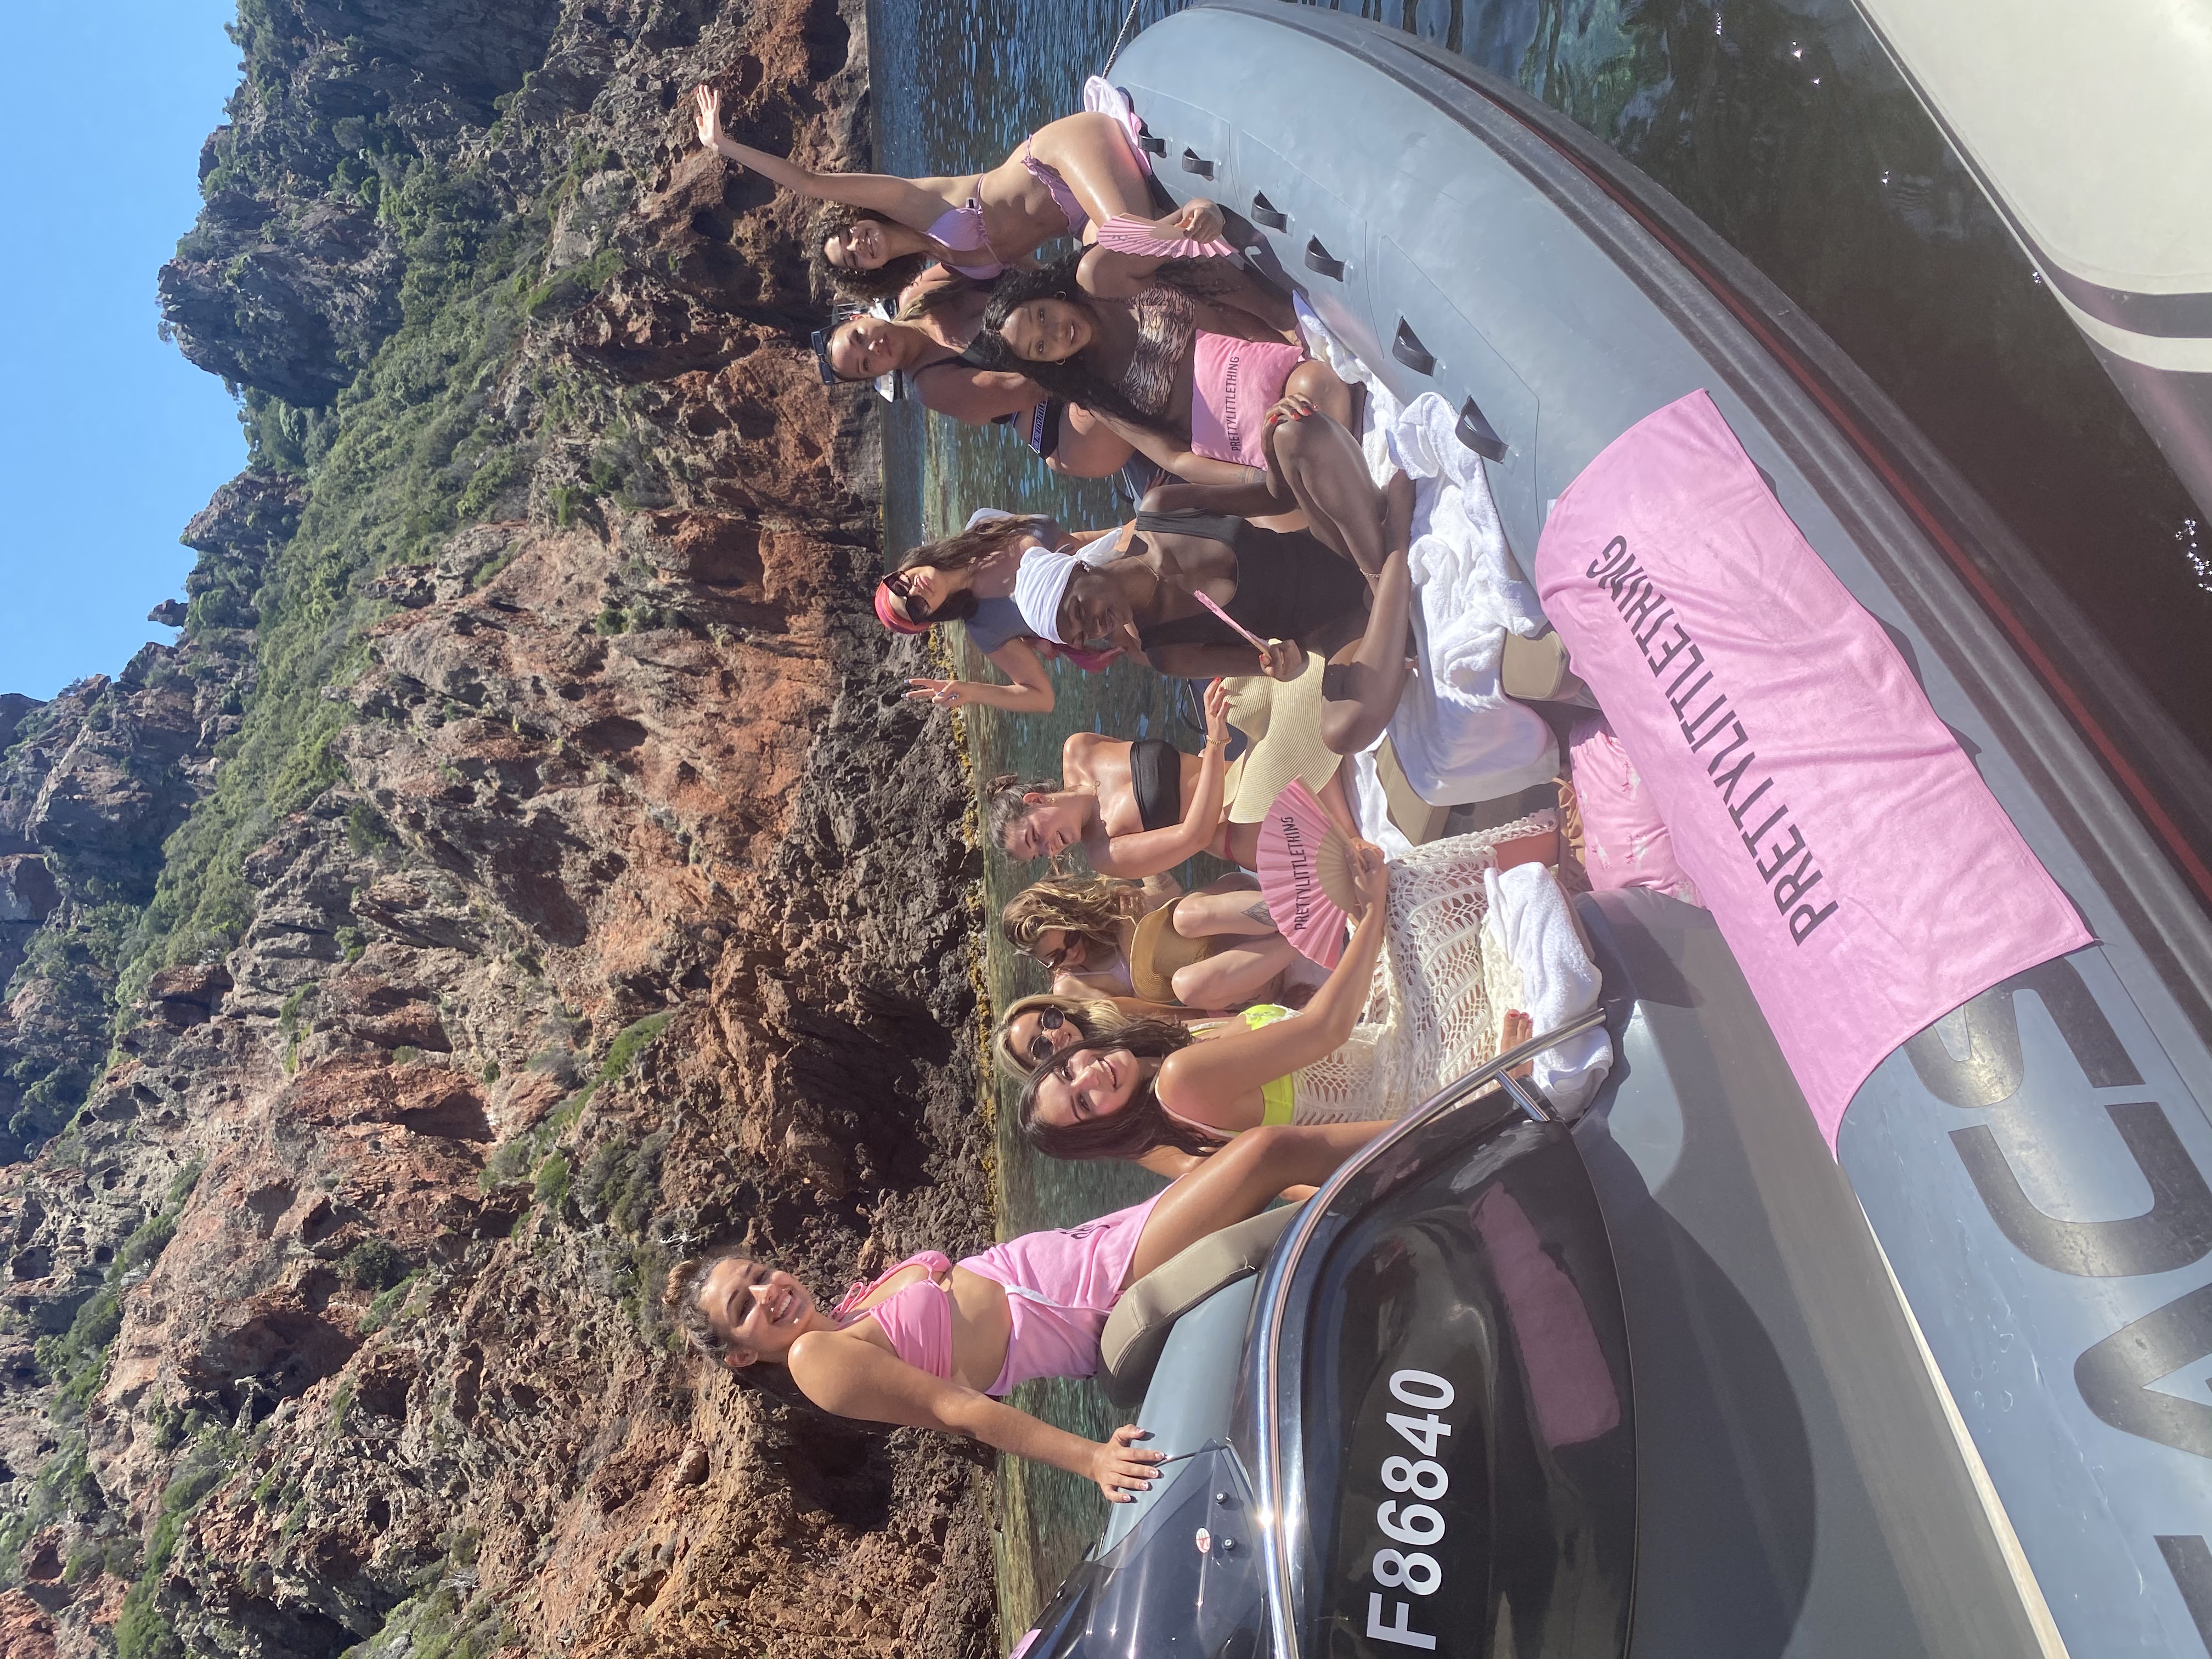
(1042, 1048)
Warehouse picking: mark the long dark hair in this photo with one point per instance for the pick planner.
(1139, 1125)
(885, 282)
(1072, 379)
(959, 551)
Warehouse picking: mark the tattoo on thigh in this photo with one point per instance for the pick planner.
(1259, 912)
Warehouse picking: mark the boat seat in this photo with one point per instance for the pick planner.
(1129, 1347)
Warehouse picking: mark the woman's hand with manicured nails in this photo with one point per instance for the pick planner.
(1122, 1471)
(1217, 713)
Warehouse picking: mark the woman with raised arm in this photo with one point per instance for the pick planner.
(935, 1344)
(881, 231)
(1368, 1045)
(968, 578)
(1181, 357)
(1142, 808)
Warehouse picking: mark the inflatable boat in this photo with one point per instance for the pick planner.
(1690, 1375)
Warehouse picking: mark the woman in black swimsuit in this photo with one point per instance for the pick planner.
(1342, 585)
(1135, 808)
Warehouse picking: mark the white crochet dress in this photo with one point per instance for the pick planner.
(1428, 1018)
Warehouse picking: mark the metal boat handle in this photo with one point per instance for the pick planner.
(1317, 259)
(1475, 431)
(1152, 146)
(1265, 212)
(1194, 162)
(1407, 348)
(1268, 1301)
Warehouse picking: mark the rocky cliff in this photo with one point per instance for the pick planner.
(522, 870)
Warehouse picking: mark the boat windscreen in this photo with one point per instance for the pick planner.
(1187, 1581)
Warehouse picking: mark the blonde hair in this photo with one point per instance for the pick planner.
(1089, 907)
(1091, 1018)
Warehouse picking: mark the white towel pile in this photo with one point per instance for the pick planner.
(1458, 736)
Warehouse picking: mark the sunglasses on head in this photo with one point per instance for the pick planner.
(829, 374)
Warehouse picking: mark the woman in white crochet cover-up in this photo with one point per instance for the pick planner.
(1403, 1014)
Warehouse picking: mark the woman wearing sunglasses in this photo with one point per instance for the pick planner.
(968, 578)
(1153, 947)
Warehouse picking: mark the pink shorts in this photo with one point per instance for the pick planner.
(1234, 383)
(1059, 1287)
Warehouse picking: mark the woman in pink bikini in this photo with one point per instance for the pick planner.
(930, 344)
(1184, 357)
(936, 1344)
(1070, 174)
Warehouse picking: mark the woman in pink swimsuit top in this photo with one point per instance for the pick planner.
(1069, 174)
(934, 1343)
(1182, 355)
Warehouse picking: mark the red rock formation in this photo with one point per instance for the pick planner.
(634, 917)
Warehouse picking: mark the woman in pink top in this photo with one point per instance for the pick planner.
(1067, 175)
(932, 1343)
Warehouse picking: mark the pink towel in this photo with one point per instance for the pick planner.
(1865, 880)
(1625, 841)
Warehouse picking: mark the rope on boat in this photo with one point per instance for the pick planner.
(1127, 18)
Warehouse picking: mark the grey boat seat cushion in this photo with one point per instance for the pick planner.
(1129, 1347)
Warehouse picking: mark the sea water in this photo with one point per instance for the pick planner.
(1785, 128)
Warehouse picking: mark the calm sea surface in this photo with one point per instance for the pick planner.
(1785, 129)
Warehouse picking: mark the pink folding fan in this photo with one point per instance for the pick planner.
(1125, 235)
(1305, 875)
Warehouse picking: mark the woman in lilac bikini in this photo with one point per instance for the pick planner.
(1070, 174)
(936, 1344)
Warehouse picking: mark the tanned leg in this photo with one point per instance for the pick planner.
(1240, 1181)
(1329, 474)
(1090, 152)
(1088, 447)
(1230, 905)
(1231, 977)
(1375, 669)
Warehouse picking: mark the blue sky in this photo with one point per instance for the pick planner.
(109, 440)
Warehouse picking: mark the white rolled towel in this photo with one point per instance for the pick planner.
(1530, 923)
